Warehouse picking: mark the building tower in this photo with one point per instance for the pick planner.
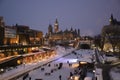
(56, 26)
(78, 32)
(112, 20)
(1, 31)
(50, 29)
(2, 24)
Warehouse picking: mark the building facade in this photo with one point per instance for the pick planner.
(18, 39)
(1, 30)
(111, 35)
(59, 35)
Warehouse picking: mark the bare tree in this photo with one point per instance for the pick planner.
(112, 34)
(99, 41)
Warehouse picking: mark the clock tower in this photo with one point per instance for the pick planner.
(56, 26)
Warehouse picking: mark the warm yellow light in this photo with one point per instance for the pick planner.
(110, 20)
(74, 65)
(76, 77)
(18, 61)
(16, 41)
(1, 69)
(83, 62)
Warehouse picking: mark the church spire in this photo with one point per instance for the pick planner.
(78, 32)
(50, 29)
(111, 20)
(56, 21)
(71, 29)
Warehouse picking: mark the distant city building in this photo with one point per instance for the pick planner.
(10, 35)
(35, 36)
(59, 35)
(2, 24)
(20, 34)
(111, 35)
(50, 29)
(113, 21)
(18, 39)
(56, 26)
(1, 35)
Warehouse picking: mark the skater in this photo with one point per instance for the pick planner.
(60, 77)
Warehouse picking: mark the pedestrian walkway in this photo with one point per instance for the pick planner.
(105, 68)
(99, 70)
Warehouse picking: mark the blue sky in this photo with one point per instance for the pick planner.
(87, 15)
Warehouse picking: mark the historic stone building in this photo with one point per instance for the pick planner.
(111, 35)
(57, 35)
(56, 26)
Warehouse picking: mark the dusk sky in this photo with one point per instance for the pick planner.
(87, 15)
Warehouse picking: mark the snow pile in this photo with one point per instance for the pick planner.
(115, 73)
(62, 50)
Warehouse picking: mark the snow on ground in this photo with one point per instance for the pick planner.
(38, 73)
(61, 51)
(64, 71)
(112, 58)
(85, 55)
(115, 73)
(98, 74)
